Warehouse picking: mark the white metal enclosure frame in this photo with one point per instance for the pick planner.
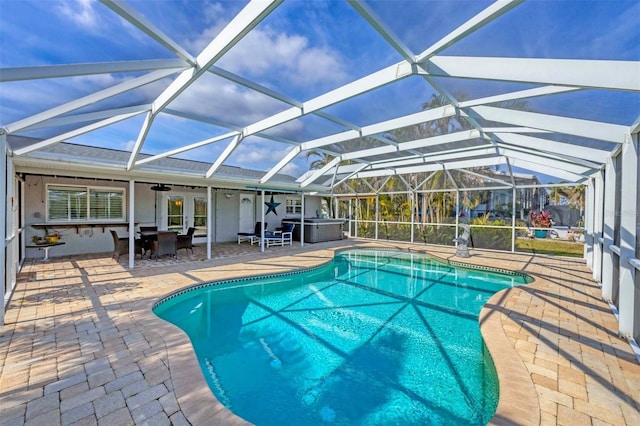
(489, 133)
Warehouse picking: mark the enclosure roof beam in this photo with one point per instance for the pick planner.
(571, 126)
(482, 176)
(316, 175)
(185, 148)
(381, 127)
(521, 94)
(289, 156)
(348, 91)
(86, 117)
(592, 74)
(433, 167)
(76, 70)
(560, 148)
(224, 155)
(74, 133)
(378, 24)
(138, 21)
(494, 11)
(88, 100)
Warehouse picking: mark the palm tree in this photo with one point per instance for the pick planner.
(320, 162)
(445, 125)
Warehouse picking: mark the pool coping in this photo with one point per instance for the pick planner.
(522, 402)
(201, 407)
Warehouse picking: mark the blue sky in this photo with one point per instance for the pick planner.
(303, 49)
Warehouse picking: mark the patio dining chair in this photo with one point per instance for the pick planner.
(148, 236)
(185, 241)
(166, 244)
(121, 245)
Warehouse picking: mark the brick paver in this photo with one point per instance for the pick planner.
(81, 345)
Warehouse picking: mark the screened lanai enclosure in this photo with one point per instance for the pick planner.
(409, 118)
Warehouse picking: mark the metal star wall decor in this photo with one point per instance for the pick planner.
(272, 206)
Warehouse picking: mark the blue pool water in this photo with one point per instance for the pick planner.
(373, 338)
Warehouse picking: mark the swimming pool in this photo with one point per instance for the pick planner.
(374, 337)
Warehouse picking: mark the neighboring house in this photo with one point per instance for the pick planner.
(82, 192)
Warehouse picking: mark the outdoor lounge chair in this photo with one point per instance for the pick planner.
(249, 236)
(185, 241)
(281, 237)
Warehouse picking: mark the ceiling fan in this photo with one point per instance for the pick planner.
(160, 187)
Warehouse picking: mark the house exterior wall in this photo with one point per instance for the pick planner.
(226, 216)
(311, 205)
(84, 240)
(148, 210)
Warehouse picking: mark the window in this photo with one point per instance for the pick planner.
(82, 203)
(200, 214)
(294, 205)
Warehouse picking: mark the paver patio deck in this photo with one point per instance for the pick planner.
(80, 344)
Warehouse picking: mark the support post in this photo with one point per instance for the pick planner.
(413, 216)
(3, 221)
(629, 309)
(597, 227)
(589, 223)
(356, 221)
(262, 229)
(209, 221)
(514, 194)
(457, 213)
(608, 256)
(301, 221)
(377, 216)
(132, 224)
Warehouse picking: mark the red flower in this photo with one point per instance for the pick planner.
(541, 220)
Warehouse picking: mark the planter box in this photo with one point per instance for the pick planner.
(541, 233)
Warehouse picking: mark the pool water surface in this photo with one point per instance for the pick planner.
(372, 338)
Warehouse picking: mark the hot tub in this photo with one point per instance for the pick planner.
(317, 230)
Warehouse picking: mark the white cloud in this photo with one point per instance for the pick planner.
(128, 145)
(96, 81)
(81, 12)
(291, 169)
(273, 55)
(222, 100)
(212, 12)
(268, 53)
(258, 155)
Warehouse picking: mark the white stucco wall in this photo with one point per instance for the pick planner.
(311, 205)
(85, 239)
(148, 208)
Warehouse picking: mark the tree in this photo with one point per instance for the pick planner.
(320, 162)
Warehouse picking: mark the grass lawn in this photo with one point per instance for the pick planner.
(550, 246)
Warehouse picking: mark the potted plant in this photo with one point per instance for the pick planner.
(52, 237)
(541, 220)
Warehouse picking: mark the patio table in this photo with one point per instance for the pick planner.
(46, 248)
